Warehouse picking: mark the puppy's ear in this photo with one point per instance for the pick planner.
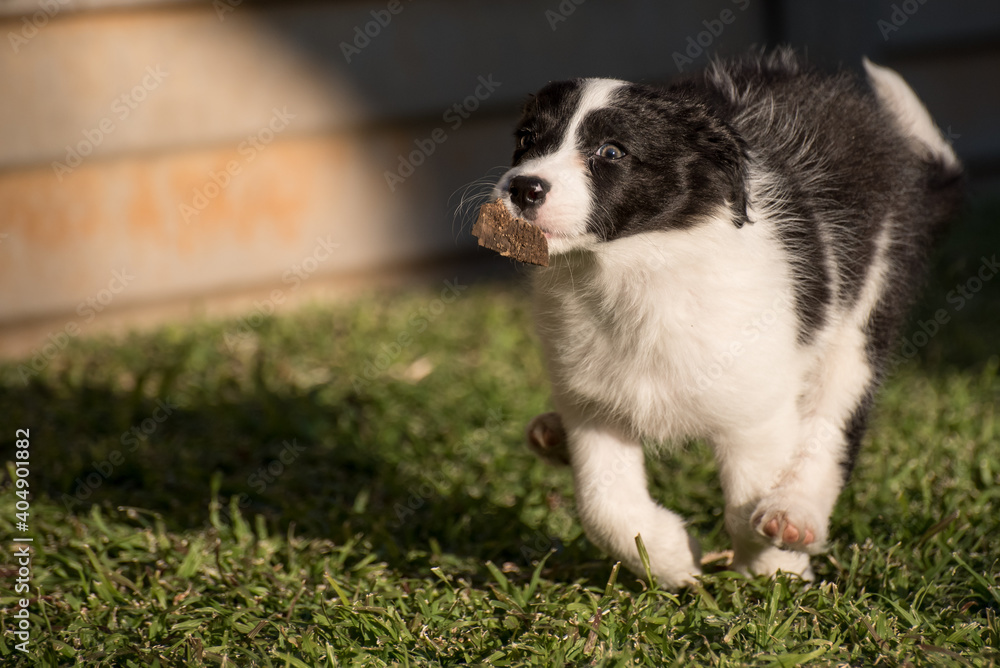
(727, 154)
(733, 162)
(738, 194)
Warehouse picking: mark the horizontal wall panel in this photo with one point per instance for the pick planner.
(216, 219)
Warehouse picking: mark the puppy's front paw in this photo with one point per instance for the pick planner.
(547, 438)
(790, 524)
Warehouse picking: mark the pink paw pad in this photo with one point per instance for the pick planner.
(789, 533)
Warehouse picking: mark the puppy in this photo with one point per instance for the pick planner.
(731, 258)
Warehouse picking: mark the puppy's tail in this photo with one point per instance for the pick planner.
(911, 116)
(943, 191)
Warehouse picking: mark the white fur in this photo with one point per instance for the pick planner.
(615, 507)
(636, 329)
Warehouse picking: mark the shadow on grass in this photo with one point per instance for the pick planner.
(290, 458)
(419, 469)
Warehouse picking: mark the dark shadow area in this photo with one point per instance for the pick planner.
(286, 457)
(956, 323)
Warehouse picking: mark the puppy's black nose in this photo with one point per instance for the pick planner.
(527, 192)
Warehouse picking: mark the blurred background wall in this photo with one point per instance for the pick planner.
(162, 157)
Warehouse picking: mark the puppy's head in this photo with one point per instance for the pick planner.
(600, 159)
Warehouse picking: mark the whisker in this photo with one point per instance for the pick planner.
(472, 195)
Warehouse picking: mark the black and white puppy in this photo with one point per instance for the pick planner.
(731, 259)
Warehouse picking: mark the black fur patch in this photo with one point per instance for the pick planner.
(545, 119)
(681, 163)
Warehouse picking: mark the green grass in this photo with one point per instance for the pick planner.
(408, 525)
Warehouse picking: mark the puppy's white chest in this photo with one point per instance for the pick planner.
(658, 337)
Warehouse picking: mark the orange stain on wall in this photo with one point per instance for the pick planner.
(188, 201)
(46, 212)
(172, 215)
(227, 198)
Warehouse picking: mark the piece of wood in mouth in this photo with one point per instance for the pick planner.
(512, 237)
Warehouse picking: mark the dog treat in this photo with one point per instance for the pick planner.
(512, 237)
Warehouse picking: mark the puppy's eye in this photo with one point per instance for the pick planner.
(611, 151)
(525, 139)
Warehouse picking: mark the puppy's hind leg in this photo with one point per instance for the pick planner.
(795, 512)
(614, 505)
(753, 461)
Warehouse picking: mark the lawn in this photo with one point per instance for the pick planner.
(347, 485)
